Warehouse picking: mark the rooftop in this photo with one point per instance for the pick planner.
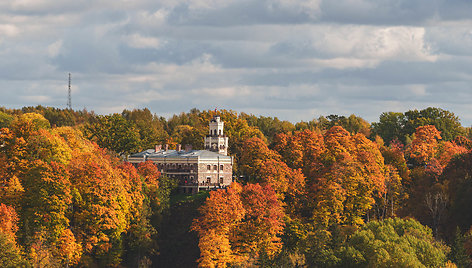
(202, 154)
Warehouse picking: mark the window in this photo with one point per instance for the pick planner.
(215, 167)
(221, 167)
(208, 167)
(208, 179)
(221, 180)
(220, 131)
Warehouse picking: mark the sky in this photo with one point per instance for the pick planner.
(293, 59)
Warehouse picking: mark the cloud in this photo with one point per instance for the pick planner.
(296, 59)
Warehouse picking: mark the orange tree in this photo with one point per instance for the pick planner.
(239, 225)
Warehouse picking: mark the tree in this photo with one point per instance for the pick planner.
(114, 133)
(393, 125)
(447, 150)
(8, 221)
(239, 226)
(10, 255)
(142, 186)
(393, 242)
(353, 124)
(458, 252)
(424, 145)
(446, 122)
(301, 150)
(389, 127)
(253, 156)
(101, 205)
(351, 174)
(185, 134)
(222, 211)
(457, 177)
(269, 126)
(5, 119)
(258, 235)
(151, 128)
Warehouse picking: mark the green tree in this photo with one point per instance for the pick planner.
(393, 125)
(389, 127)
(393, 242)
(151, 128)
(458, 252)
(269, 126)
(115, 133)
(5, 119)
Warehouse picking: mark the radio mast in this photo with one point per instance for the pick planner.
(69, 99)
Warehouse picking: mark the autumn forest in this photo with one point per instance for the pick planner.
(336, 191)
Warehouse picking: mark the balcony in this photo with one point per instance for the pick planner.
(202, 184)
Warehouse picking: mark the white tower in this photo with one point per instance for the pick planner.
(216, 141)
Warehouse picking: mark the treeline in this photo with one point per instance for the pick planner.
(335, 191)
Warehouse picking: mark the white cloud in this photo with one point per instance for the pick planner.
(55, 48)
(138, 41)
(36, 99)
(222, 92)
(8, 30)
(418, 90)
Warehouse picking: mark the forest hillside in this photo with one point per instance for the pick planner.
(336, 191)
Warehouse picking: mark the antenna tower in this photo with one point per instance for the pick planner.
(69, 99)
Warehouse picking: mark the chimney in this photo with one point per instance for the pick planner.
(158, 148)
(178, 147)
(188, 147)
(166, 147)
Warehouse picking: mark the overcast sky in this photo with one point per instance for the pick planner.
(293, 59)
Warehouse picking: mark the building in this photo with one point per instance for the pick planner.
(194, 169)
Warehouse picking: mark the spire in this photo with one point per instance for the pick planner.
(216, 140)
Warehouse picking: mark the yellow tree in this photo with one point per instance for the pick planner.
(352, 174)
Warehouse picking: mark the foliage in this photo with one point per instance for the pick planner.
(352, 173)
(5, 119)
(393, 242)
(458, 252)
(269, 126)
(424, 145)
(115, 133)
(353, 124)
(457, 176)
(68, 201)
(402, 125)
(239, 225)
(76, 203)
(10, 255)
(151, 128)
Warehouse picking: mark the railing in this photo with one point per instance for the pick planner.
(206, 184)
(178, 170)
